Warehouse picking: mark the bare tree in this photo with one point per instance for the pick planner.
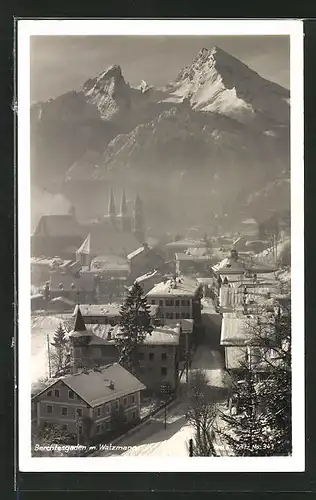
(201, 414)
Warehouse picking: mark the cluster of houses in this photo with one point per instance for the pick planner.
(96, 264)
(175, 311)
(249, 299)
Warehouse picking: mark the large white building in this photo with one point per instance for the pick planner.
(177, 298)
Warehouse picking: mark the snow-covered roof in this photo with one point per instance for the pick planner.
(108, 310)
(63, 300)
(161, 335)
(239, 329)
(148, 276)
(249, 221)
(138, 251)
(109, 263)
(186, 243)
(192, 257)
(94, 386)
(240, 264)
(182, 286)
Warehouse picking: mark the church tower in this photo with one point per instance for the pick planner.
(112, 209)
(124, 218)
(138, 219)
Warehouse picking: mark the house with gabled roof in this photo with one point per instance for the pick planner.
(90, 394)
(56, 235)
(158, 353)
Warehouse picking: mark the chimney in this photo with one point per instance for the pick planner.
(111, 385)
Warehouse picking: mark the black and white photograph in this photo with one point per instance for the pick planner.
(161, 245)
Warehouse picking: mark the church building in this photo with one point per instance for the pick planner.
(118, 233)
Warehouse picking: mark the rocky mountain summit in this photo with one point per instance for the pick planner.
(218, 129)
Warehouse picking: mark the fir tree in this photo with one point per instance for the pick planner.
(275, 391)
(262, 426)
(247, 433)
(135, 325)
(60, 343)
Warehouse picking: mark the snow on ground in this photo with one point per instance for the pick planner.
(153, 439)
(211, 361)
(41, 326)
(208, 306)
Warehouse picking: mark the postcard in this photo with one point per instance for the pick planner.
(161, 245)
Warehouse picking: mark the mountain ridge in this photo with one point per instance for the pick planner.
(218, 119)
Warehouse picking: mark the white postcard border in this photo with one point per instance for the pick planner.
(293, 28)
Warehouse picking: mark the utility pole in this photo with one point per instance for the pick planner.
(186, 357)
(165, 390)
(49, 364)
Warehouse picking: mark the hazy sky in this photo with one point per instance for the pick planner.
(63, 63)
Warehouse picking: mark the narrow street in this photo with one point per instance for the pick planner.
(153, 439)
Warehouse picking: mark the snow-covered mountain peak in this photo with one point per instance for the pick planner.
(108, 92)
(216, 81)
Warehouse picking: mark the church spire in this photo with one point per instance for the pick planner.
(123, 209)
(138, 204)
(112, 209)
(79, 322)
(138, 219)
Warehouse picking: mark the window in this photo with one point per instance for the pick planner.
(125, 401)
(141, 355)
(49, 409)
(107, 426)
(98, 429)
(183, 315)
(134, 415)
(164, 370)
(133, 399)
(125, 418)
(64, 427)
(71, 395)
(153, 302)
(79, 412)
(164, 356)
(57, 393)
(64, 411)
(49, 394)
(117, 405)
(151, 356)
(161, 302)
(106, 409)
(169, 302)
(169, 315)
(177, 303)
(177, 315)
(98, 412)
